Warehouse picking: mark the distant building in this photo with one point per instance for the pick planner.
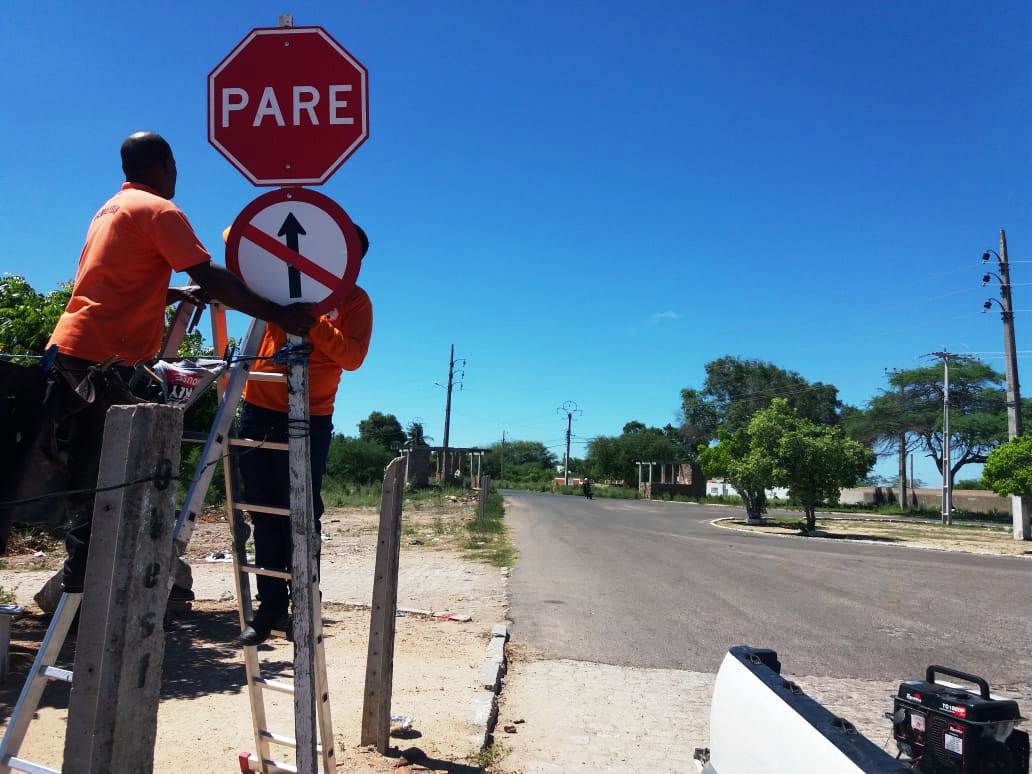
(718, 487)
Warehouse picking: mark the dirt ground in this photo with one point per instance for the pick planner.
(969, 539)
(627, 720)
(203, 721)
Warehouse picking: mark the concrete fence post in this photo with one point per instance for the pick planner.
(113, 709)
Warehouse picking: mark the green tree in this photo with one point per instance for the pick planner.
(617, 457)
(739, 461)
(1008, 468)
(417, 438)
(382, 429)
(813, 461)
(735, 388)
(28, 317)
(913, 406)
(356, 460)
(524, 461)
(884, 426)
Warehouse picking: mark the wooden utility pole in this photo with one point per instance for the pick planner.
(566, 463)
(502, 475)
(113, 709)
(379, 679)
(569, 408)
(1014, 425)
(1022, 527)
(306, 605)
(902, 460)
(446, 466)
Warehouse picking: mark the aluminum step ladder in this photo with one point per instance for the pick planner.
(219, 443)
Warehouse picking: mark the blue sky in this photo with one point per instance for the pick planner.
(590, 199)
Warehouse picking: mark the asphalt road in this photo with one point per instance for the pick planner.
(655, 584)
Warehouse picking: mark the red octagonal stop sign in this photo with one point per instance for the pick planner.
(288, 105)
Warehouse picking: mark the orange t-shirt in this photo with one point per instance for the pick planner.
(118, 299)
(340, 341)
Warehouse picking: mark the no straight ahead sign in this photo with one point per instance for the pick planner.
(295, 245)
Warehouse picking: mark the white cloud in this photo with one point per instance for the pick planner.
(668, 314)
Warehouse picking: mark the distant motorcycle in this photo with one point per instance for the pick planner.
(586, 489)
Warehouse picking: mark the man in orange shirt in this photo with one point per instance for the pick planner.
(117, 313)
(339, 342)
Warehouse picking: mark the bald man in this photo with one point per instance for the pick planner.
(117, 314)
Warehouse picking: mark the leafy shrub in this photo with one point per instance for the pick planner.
(356, 461)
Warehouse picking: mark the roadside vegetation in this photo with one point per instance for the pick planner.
(750, 422)
(488, 537)
(440, 523)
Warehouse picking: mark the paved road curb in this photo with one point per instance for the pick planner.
(484, 712)
(843, 515)
(842, 541)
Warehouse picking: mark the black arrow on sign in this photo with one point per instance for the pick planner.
(291, 229)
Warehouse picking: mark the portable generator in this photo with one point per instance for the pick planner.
(943, 727)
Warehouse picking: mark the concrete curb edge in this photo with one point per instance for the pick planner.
(911, 546)
(484, 709)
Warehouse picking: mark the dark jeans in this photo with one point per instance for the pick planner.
(78, 435)
(266, 481)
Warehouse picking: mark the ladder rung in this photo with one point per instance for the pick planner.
(56, 673)
(254, 763)
(254, 569)
(266, 376)
(274, 685)
(255, 443)
(193, 437)
(270, 509)
(285, 741)
(20, 764)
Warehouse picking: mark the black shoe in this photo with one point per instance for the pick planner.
(251, 636)
(263, 625)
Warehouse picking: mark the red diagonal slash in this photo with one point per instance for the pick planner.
(284, 253)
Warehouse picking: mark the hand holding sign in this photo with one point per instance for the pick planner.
(321, 267)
